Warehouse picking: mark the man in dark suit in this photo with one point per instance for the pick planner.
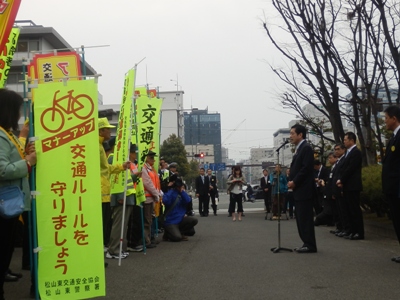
(202, 193)
(324, 182)
(321, 176)
(301, 181)
(391, 168)
(265, 185)
(343, 224)
(350, 181)
(212, 190)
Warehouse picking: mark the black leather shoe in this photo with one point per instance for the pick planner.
(334, 231)
(394, 258)
(397, 260)
(305, 250)
(10, 278)
(18, 275)
(343, 233)
(348, 237)
(356, 237)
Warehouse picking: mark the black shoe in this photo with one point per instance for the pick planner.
(334, 231)
(155, 242)
(149, 246)
(230, 215)
(305, 250)
(18, 275)
(356, 237)
(395, 258)
(348, 237)
(10, 278)
(215, 214)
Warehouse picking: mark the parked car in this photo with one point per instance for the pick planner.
(257, 192)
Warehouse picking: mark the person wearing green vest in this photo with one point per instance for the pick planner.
(117, 202)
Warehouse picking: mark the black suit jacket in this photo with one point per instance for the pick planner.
(213, 183)
(391, 167)
(337, 191)
(202, 188)
(302, 172)
(350, 172)
(265, 185)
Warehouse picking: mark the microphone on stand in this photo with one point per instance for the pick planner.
(284, 143)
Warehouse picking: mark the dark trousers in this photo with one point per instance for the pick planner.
(213, 205)
(305, 222)
(335, 214)
(267, 201)
(174, 232)
(281, 199)
(107, 222)
(343, 213)
(318, 198)
(355, 213)
(290, 202)
(235, 198)
(8, 228)
(203, 204)
(134, 233)
(26, 252)
(394, 205)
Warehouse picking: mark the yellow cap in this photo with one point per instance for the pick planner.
(103, 123)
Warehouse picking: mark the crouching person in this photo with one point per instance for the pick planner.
(176, 221)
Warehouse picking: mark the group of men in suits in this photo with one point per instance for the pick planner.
(206, 189)
(344, 183)
(344, 187)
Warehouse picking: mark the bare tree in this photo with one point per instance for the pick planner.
(336, 48)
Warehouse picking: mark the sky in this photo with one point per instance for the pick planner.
(218, 51)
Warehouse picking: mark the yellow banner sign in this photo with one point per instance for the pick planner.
(8, 12)
(148, 118)
(55, 67)
(6, 56)
(123, 140)
(69, 223)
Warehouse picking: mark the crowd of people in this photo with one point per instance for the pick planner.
(306, 189)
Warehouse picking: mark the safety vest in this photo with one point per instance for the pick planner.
(154, 178)
(130, 185)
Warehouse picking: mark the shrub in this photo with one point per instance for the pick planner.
(372, 197)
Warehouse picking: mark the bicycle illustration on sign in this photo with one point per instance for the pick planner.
(80, 106)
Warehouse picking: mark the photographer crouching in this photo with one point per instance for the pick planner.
(176, 221)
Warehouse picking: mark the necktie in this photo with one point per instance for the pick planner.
(202, 178)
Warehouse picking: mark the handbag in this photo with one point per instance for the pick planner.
(11, 202)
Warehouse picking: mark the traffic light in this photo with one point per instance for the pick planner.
(200, 155)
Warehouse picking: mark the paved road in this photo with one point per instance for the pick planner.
(232, 260)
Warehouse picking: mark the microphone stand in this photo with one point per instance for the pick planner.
(279, 248)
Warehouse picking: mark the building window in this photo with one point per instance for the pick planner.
(28, 46)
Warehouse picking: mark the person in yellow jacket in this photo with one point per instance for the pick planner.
(105, 171)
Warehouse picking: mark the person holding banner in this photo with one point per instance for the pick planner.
(117, 202)
(105, 171)
(151, 183)
(15, 165)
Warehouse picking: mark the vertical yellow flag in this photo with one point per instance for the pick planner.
(122, 142)
(69, 223)
(148, 118)
(6, 56)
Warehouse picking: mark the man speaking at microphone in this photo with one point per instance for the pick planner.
(301, 181)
